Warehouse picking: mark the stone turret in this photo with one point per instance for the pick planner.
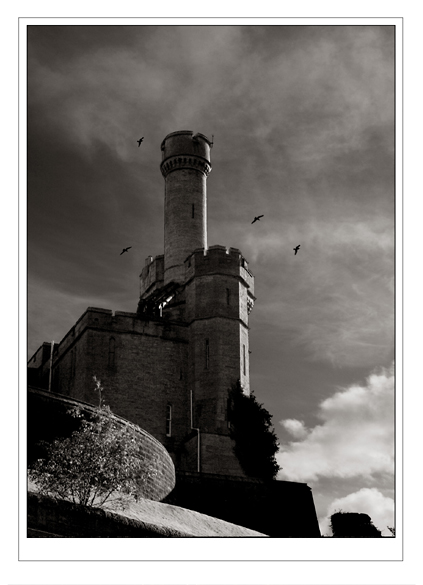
(209, 290)
(219, 297)
(185, 167)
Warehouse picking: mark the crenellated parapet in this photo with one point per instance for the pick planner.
(218, 284)
(219, 260)
(152, 275)
(106, 320)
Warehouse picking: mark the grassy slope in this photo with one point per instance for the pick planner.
(187, 522)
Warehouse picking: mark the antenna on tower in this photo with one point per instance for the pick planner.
(211, 143)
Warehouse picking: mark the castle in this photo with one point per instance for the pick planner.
(168, 367)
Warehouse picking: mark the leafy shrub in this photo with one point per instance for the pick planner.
(100, 462)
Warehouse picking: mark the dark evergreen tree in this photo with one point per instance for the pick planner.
(251, 428)
(353, 525)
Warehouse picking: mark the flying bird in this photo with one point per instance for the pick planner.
(296, 249)
(257, 218)
(139, 141)
(125, 250)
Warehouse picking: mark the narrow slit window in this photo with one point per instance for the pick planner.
(192, 210)
(207, 354)
(168, 420)
(228, 412)
(73, 363)
(244, 360)
(112, 352)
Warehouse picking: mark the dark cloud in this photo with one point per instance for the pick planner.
(303, 125)
(302, 118)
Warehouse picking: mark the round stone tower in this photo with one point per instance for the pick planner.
(185, 167)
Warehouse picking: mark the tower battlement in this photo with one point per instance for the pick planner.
(152, 275)
(104, 320)
(219, 260)
(187, 147)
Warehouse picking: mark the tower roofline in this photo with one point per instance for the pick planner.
(188, 132)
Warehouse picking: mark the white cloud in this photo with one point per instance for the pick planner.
(356, 437)
(366, 501)
(295, 427)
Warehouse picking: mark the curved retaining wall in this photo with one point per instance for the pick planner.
(48, 418)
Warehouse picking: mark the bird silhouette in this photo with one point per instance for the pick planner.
(125, 250)
(296, 249)
(257, 218)
(139, 141)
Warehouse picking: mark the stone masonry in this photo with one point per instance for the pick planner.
(169, 366)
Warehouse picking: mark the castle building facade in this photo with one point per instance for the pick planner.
(169, 366)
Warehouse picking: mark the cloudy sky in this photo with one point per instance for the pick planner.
(303, 125)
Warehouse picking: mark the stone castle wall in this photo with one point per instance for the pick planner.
(282, 509)
(147, 367)
(142, 366)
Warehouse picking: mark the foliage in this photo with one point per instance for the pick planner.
(255, 440)
(100, 462)
(391, 530)
(98, 388)
(353, 525)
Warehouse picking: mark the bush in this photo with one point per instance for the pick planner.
(100, 462)
(353, 525)
(255, 440)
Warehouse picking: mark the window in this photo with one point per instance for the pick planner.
(207, 354)
(228, 412)
(243, 359)
(192, 210)
(72, 365)
(168, 420)
(112, 344)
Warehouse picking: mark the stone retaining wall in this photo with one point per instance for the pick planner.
(48, 419)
